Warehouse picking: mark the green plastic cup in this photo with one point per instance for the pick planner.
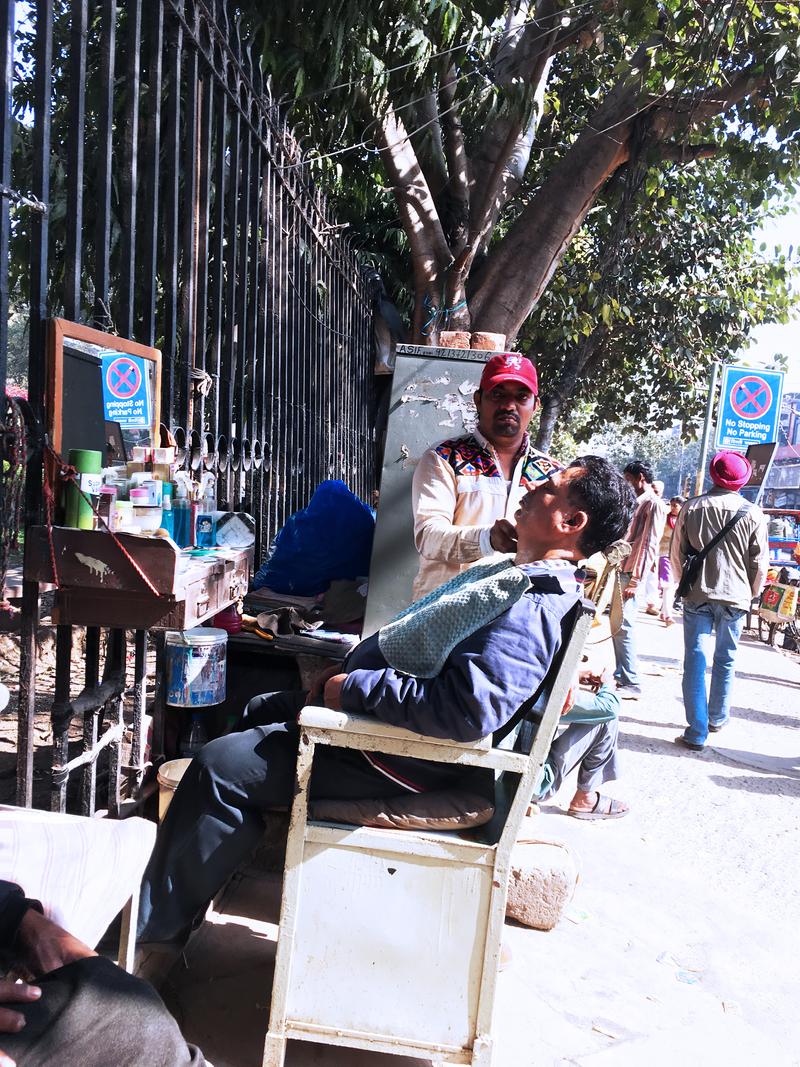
(89, 465)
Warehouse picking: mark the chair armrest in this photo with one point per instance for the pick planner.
(369, 726)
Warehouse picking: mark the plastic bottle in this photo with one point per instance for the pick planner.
(195, 738)
(181, 513)
(167, 514)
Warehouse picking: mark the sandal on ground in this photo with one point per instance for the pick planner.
(604, 808)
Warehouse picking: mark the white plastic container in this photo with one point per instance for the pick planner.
(169, 776)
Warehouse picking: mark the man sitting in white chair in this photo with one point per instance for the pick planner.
(457, 664)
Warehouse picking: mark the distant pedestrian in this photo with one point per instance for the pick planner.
(728, 576)
(644, 535)
(666, 578)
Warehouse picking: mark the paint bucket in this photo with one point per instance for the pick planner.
(169, 776)
(196, 667)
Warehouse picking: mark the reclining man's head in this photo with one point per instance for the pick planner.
(575, 512)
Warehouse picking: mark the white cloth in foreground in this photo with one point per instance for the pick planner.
(82, 870)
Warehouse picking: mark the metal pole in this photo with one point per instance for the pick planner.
(701, 469)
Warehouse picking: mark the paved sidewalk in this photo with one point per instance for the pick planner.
(682, 942)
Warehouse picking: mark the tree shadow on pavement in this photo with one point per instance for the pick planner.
(787, 765)
(766, 784)
(765, 717)
(765, 678)
(657, 725)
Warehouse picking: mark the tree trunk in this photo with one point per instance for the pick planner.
(522, 265)
(551, 410)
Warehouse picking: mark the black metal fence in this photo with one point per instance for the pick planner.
(160, 196)
(149, 187)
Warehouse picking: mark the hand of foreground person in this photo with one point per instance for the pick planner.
(629, 590)
(333, 692)
(503, 536)
(593, 680)
(42, 946)
(11, 1022)
(315, 693)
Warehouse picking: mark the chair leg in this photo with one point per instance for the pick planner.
(127, 934)
(274, 1051)
(482, 1051)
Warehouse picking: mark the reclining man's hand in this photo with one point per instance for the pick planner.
(503, 536)
(315, 693)
(42, 946)
(333, 692)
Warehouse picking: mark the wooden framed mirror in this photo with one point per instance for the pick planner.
(103, 392)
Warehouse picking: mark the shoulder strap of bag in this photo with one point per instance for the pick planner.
(726, 529)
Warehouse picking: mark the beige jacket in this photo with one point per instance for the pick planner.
(458, 493)
(734, 572)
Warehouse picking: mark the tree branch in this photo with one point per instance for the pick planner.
(430, 251)
(456, 155)
(677, 152)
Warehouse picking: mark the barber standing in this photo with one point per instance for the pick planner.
(467, 490)
(732, 573)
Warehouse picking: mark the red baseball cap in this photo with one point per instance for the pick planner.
(730, 470)
(510, 367)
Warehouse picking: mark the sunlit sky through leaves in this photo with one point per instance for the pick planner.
(767, 340)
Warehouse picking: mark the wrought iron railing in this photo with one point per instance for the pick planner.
(151, 188)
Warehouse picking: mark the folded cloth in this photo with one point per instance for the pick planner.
(286, 621)
(420, 638)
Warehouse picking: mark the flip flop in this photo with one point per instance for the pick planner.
(604, 808)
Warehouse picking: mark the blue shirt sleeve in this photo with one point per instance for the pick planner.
(482, 684)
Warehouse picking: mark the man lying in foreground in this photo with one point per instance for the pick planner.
(83, 1011)
(457, 664)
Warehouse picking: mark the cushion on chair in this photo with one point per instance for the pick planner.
(445, 809)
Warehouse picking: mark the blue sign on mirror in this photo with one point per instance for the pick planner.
(126, 390)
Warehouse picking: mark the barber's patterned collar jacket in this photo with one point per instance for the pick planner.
(458, 493)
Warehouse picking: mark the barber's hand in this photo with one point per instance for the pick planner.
(11, 1022)
(5, 1059)
(42, 946)
(315, 693)
(503, 536)
(333, 692)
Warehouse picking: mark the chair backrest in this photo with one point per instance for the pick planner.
(545, 707)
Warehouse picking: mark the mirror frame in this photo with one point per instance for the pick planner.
(57, 331)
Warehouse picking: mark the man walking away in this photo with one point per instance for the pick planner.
(644, 535)
(730, 575)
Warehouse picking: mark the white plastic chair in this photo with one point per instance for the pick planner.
(389, 940)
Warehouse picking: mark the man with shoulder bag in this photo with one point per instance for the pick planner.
(721, 553)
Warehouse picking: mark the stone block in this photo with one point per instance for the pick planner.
(542, 883)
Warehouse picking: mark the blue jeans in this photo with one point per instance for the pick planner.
(700, 621)
(622, 627)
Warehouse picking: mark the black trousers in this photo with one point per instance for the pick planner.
(215, 818)
(93, 1014)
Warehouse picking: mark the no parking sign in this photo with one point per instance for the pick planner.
(126, 391)
(750, 407)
